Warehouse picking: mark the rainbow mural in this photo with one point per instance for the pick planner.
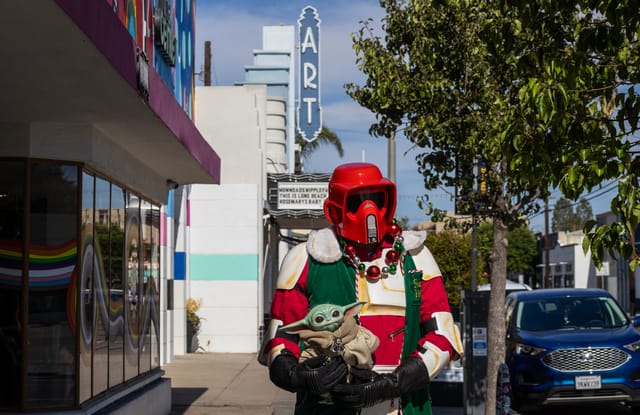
(165, 31)
(49, 266)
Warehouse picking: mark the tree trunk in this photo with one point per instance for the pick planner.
(496, 325)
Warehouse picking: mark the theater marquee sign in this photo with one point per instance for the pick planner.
(297, 199)
(301, 195)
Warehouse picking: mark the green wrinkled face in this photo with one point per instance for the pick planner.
(327, 317)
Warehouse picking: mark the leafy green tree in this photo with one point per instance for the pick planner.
(540, 92)
(522, 254)
(565, 218)
(452, 250)
(523, 251)
(584, 212)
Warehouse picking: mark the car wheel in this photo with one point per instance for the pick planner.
(635, 409)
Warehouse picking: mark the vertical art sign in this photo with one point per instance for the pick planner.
(309, 110)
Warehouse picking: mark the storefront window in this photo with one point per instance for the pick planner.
(79, 291)
(132, 303)
(86, 276)
(101, 286)
(53, 204)
(11, 258)
(116, 286)
(155, 284)
(147, 288)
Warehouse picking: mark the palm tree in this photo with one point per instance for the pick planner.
(326, 136)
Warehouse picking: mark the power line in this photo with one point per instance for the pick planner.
(606, 189)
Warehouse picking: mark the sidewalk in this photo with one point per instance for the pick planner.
(224, 384)
(232, 384)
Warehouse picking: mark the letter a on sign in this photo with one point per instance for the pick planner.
(309, 110)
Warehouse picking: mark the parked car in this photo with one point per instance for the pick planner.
(447, 387)
(571, 346)
(510, 287)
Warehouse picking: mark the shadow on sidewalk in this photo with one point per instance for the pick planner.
(183, 398)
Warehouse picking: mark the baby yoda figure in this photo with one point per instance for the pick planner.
(331, 330)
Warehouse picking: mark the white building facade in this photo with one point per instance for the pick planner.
(218, 230)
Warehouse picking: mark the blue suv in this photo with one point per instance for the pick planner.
(571, 346)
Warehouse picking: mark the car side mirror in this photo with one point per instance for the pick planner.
(635, 321)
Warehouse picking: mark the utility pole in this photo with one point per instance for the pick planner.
(391, 154)
(547, 265)
(207, 63)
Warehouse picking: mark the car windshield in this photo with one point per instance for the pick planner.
(569, 313)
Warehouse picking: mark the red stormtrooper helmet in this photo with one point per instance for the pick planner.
(361, 203)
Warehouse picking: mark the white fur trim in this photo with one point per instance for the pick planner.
(414, 240)
(323, 246)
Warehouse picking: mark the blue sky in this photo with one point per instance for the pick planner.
(235, 30)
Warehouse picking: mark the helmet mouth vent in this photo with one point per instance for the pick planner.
(372, 229)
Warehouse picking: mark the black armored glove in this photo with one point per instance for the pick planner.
(316, 375)
(369, 388)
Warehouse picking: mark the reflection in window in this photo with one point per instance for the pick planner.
(132, 303)
(51, 367)
(91, 290)
(147, 288)
(86, 275)
(116, 291)
(11, 248)
(155, 284)
(101, 284)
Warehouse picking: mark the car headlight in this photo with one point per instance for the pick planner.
(633, 347)
(527, 350)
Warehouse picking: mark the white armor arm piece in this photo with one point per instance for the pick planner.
(267, 355)
(433, 357)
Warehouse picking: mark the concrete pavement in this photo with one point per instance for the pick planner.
(232, 384)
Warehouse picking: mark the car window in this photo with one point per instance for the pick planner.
(569, 313)
(508, 309)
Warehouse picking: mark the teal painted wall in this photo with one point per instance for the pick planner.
(230, 267)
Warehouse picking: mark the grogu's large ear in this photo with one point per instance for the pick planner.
(296, 326)
(352, 309)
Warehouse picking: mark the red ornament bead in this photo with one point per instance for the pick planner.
(392, 257)
(394, 230)
(373, 273)
(350, 250)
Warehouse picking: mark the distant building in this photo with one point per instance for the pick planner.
(222, 231)
(570, 266)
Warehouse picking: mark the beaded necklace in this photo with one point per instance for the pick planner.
(373, 273)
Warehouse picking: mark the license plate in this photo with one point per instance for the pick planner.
(588, 382)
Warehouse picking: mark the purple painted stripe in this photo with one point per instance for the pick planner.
(96, 19)
(101, 25)
(163, 103)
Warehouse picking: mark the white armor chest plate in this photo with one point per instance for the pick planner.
(384, 296)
